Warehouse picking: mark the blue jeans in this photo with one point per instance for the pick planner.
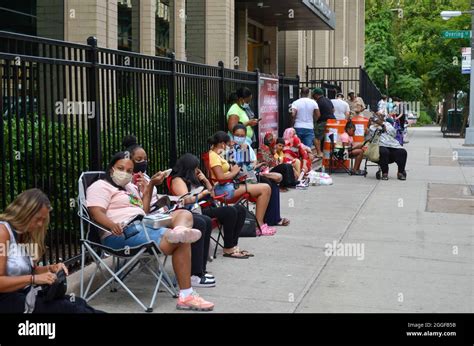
(306, 136)
(138, 236)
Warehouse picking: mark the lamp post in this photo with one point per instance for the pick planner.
(446, 15)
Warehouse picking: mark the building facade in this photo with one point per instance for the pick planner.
(274, 36)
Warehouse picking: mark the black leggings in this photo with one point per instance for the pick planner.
(272, 215)
(232, 218)
(391, 155)
(286, 170)
(200, 249)
(14, 302)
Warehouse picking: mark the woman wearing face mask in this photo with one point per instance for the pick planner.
(245, 156)
(237, 113)
(200, 248)
(222, 171)
(115, 204)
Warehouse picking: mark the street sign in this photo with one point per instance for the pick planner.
(457, 34)
(466, 60)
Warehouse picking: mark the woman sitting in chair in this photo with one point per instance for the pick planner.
(222, 174)
(245, 156)
(115, 204)
(23, 227)
(390, 149)
(200, 248)
(355, 151)
(186, 176)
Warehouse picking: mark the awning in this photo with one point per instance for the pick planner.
(290, 15)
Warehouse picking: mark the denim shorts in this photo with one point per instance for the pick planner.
(134, 235)
(226, 189)
(306, 136)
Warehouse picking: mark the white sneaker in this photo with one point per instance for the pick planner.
(197, 281)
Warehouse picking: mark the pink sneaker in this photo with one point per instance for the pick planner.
(181, 234)
(266, 230)
(194, 302)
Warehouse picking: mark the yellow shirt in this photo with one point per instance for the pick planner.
(215, 160)
(279, 157)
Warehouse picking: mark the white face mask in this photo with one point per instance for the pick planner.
(121, 178)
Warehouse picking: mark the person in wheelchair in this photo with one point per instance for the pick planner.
(355, 151)
(115, 203)
(390, 149)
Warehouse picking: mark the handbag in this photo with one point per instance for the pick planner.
(57, 290)
(373, 149)
(249, 230)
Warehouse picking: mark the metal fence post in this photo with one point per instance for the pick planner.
(95, 150)
(172, 111)
(222, 97)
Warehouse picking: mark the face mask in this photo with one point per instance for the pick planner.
(140, 167)
(245, 105)
(121, 178)
(239, 140)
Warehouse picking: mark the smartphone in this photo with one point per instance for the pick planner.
(168, 172)
(135, 178)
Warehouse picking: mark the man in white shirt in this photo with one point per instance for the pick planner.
(342, 110)
(305, 112)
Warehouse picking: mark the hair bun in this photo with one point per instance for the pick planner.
(129, 141)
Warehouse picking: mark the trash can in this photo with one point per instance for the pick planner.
(452, 126)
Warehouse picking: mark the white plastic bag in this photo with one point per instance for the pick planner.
(316, 178)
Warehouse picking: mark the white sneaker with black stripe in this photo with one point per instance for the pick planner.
(203, 281)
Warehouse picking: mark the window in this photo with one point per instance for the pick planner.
(125, 25)
(164, 17)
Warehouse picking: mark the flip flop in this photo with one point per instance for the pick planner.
(245, 253)
(283, 222)
(238, 255)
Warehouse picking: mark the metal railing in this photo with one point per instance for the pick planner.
(66, 108)
(343, 79)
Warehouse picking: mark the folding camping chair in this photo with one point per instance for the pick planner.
(245, 200)
(338, 157)
(124, 260)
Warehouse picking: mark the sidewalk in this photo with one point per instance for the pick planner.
(414, 260)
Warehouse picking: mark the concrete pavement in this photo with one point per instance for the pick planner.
(414, 260)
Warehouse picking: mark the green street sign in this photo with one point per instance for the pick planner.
(457, 34)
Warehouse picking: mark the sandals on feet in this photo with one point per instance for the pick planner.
(283, 222)
(266, 230)
(236, 254)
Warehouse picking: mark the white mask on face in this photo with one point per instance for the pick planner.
(121, 178)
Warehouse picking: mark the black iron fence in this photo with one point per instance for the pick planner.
(66, 108)
(343, 79)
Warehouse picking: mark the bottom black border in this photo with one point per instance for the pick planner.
(222, 329)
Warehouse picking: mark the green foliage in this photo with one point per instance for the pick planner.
(420, 65)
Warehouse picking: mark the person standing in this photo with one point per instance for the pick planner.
(342, 110)
(305, 111)
(326, 109)
(382, 106)
(356, 104)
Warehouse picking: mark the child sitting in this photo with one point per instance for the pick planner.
(355, 151)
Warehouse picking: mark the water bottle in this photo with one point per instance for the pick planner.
(323, 169)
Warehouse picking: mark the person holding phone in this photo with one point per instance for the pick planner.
(237, 113)
(199, 275)
(114, 202)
